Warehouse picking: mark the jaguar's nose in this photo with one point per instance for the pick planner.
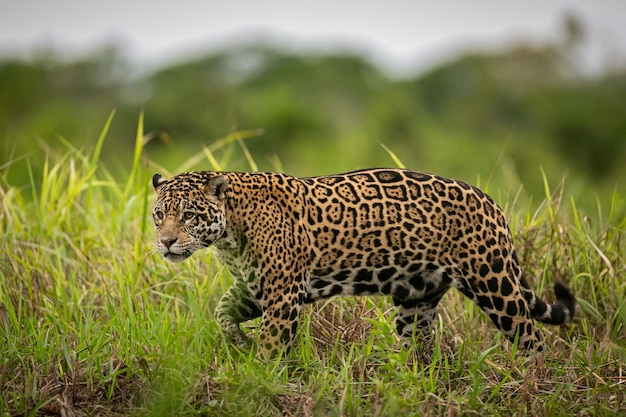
(168, 240)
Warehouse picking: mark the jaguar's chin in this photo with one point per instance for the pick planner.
(176, 257)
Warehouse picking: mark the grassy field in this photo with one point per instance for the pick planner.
(94, 323)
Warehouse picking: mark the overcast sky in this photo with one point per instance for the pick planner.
(399, 34)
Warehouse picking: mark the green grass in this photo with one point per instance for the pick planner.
(94, 322)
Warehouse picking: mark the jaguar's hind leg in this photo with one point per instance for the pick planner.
(415, 317)
(502, 300)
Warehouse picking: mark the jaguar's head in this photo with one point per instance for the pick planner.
(188, 213)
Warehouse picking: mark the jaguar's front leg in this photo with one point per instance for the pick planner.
(236, 306)
(281, 307)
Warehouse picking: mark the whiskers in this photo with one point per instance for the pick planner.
(153, 249)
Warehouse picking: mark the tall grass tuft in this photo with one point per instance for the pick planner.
(93, 322)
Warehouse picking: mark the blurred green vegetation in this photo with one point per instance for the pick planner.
(493, 119)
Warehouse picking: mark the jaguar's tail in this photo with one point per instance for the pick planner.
(560, 312)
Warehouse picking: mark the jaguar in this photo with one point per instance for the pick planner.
(289, 241)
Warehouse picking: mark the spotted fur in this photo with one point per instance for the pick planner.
(410, 235)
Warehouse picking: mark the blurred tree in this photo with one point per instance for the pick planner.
(328, 112)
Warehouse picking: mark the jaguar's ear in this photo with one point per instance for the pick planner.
(157, 182)
(216, 187)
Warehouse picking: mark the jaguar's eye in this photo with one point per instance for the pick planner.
(158, 215)
(188, 215)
